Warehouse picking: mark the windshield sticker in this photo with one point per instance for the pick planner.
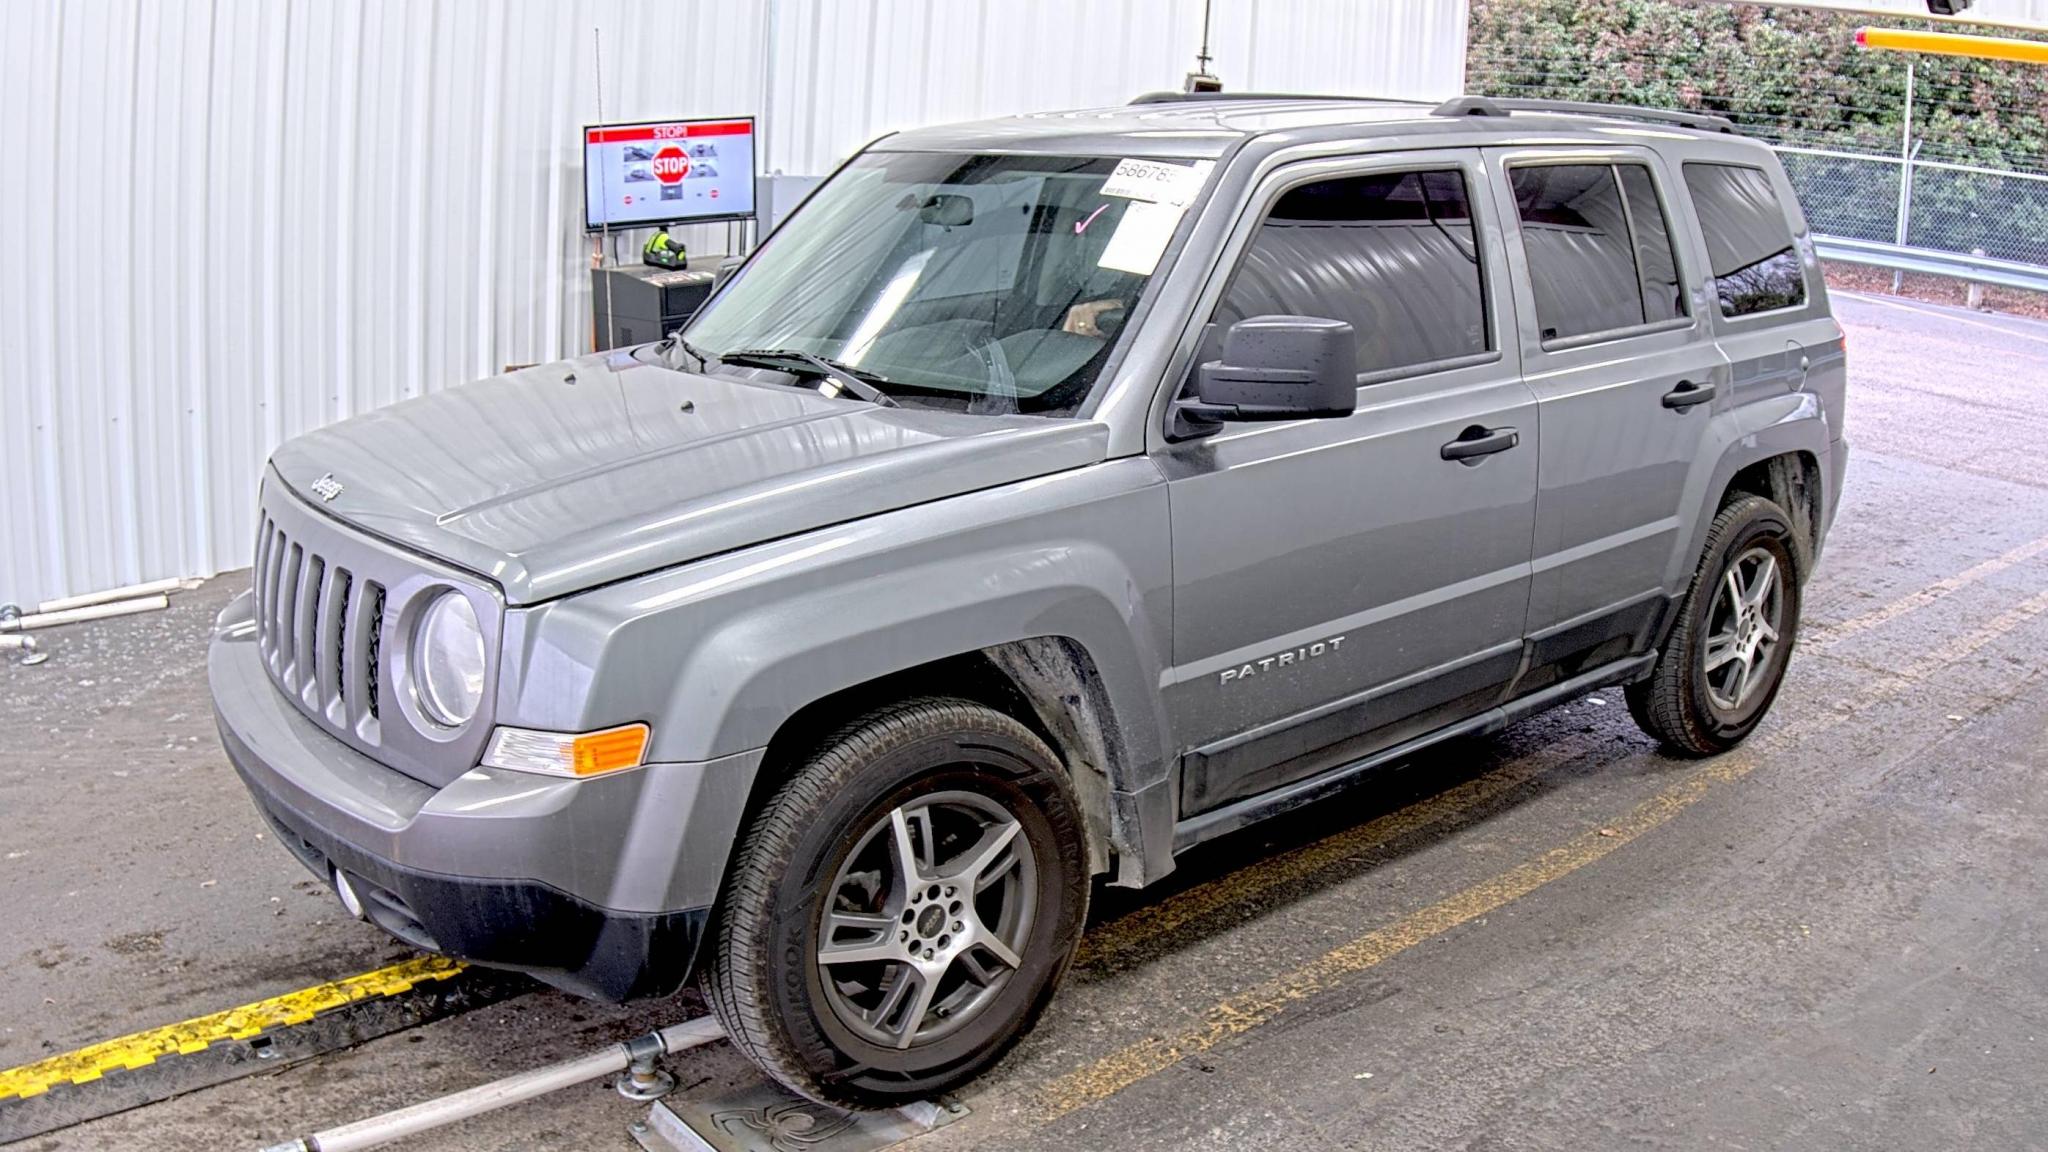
(1157, 181)
(1140, 237)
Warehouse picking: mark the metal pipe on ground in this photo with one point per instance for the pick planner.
(155, 603)
(430, 1114)
(109, 595)
(31, 655)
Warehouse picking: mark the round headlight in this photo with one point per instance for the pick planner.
(448, 660)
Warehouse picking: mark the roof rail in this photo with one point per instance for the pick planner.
(1502, 106)
(1210, 97)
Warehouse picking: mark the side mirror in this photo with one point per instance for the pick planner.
(1278, 368)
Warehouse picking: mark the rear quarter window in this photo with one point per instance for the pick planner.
(1749, 244)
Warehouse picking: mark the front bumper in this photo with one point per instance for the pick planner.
(600, 886)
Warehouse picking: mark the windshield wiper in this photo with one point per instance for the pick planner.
(861, 384)
(703, 358)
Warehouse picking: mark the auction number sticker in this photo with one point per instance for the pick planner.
(1160, 192)
(1158, 181)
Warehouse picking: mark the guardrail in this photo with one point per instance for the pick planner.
(1902, 258)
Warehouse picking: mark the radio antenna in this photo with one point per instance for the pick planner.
(604, 189)
(1201, 79)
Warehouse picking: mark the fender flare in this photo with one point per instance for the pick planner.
(1783, 426)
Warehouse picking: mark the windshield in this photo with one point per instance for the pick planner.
(976, 283)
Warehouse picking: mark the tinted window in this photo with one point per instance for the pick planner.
(1391, 254)
(1582, 269)
(1749, 244)
(1663, 299)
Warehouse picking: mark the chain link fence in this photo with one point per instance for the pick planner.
(1931, 204)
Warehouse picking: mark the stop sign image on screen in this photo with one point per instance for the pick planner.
(670, 165)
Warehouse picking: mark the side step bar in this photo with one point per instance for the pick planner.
(1209, 825)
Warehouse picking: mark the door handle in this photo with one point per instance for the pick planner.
(1688, 394)
(1478, 441)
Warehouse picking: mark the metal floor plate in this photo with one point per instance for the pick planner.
(765, 1117)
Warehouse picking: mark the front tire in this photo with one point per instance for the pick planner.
(1721, 669)
(903, 907)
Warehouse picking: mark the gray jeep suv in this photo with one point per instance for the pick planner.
(1046, 497)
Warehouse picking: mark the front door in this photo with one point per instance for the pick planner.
(1342, 584)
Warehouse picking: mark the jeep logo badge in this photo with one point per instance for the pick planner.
(326, 488)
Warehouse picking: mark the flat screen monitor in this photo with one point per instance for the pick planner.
(667, 172)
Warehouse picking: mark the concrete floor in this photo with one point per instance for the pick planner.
(1554, 938)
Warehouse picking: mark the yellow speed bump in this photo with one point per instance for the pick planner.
(144, 1048)
(1954, 44)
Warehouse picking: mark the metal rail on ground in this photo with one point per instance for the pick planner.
(430, 1114)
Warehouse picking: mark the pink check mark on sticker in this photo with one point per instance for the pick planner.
(1081, 226)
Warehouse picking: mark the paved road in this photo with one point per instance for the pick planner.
(1554, 938)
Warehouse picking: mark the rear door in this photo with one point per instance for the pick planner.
(1627, 380)
(1341, 584)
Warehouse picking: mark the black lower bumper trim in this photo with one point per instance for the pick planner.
(522, 925)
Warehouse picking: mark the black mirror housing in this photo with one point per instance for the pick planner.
(1279, 368)
(947, 210)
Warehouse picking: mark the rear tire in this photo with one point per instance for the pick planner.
(1721, 669)
(861, 982)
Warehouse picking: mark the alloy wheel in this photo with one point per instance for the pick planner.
(921, 927)
(1743, 630)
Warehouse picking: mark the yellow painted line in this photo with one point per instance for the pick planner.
(1940, 659)
(1241, 888)
(143, 1048)
(1914, 601)
(1247, 1010)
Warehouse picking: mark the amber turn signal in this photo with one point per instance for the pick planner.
(568, 753)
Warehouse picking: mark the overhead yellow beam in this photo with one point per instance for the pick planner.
(1954, 44)
(2020, 15)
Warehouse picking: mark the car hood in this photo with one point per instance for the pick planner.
(566, 476)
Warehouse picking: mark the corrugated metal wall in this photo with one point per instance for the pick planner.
(224, 222)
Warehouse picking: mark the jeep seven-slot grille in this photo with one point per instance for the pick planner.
(317, 626)
(324, 593)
